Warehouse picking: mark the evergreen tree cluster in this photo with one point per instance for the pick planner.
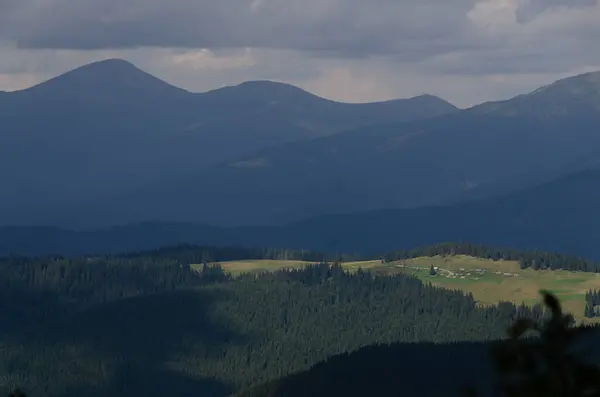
(39, 289)
(537, 260)
(592, 303)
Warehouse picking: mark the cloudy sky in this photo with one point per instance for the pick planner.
(466, 51)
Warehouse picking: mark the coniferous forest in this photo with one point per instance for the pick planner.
(146, 324)
(540, 357)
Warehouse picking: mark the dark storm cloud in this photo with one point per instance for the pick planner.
(351, 28)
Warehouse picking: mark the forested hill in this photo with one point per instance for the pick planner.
(137, 326)
(408, 370)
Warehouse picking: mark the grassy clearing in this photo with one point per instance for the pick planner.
(256, 265)
(488, 281)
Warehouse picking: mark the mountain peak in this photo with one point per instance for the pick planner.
(266, 90)
(578, 94)
(114, 63)
(267, 84)
(428, 99)
(580, 85)
(110, 77)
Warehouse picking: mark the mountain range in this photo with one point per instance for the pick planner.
(107, 129)
(109, 148)
(491, 149)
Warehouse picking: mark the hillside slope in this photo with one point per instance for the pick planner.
(561, 215)
(108, 128)
(490, 149)
(409, 370)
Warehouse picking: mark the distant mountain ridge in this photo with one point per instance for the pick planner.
(108, 128)
(115, 74)
(559, 216)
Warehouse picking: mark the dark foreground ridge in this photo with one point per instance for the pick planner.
(542, 364)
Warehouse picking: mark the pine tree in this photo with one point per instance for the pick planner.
(535, 265)
(523, 264)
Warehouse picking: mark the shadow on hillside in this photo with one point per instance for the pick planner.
(556, 359)
(147, 345)
(147, 384)
(25, 309)
(403, 369)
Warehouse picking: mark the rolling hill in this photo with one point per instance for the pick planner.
(108, 128)
(491, 149)
(561, 215)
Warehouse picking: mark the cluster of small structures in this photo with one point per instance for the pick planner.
(473, 274)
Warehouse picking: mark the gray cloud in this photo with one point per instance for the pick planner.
(404, 30)
(530, 9)
(351, 28)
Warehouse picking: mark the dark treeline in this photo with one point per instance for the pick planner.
(537, 260)
(135, 326)
(187, 253)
